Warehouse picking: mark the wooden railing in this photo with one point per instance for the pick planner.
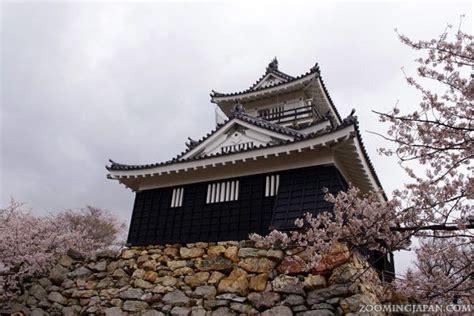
(277, 115)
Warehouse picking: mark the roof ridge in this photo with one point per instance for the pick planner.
(314, 69)
(120, 166)
(265, 123)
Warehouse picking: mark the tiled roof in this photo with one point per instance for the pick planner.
(298, 136)
(274, 70)
(260, 122)
(240, 114)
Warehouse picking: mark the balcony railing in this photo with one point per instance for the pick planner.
(278, 115)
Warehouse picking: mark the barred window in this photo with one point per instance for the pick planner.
(271, 185)
(177, 197)
(222, 191)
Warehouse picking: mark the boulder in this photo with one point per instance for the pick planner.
(278, 311)
(248, 252)
(171, 252)
(65, 261)
(119, 274)
(215, 277)
(142, 258)
(197, 279)
(231, 297)
(150, 265)
(215, 251)
(160, 289)
(81, 272)
(150, 276)
(236, 282)
(58, 274)
(107, 254)
(288, 284)
(299, 308)
(243, 308)
(83, 293)
(100, 266)
(134, 306)
(218, 263)
(180, 311)
(258, 265)
(176, 264)
(292, 265)
(128, 254)
(38, 292)
(259, 282)
(152, 312)
(211, 304)
(293, 300)
(322, 306)
(114, 311)
(275, 254)
(75, 255)
(38, 312)
(177, 298)
(198, 311)
(231, 253)
(138, 274)
(45, 282)
(142, 284)
(131, 294)
(343, 274)
(263, 299)
(187, 253)
(313, 282)
(206, 291)
(57, 297)
(223, 311)
(167, 280)
(183, 271)
(353, 303)
(336, 290)
(337, 257)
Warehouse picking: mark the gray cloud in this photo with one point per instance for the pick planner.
(84, 82)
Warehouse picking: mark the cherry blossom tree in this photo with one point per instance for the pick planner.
(30, 244)
(443, 271)
(101, 226)
(436, 140)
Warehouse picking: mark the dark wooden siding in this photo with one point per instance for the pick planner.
(302, 191)
(155, 222)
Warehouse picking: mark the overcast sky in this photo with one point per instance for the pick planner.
(84, 82)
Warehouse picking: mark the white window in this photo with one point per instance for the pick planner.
(222, 192)
(271, 184)
(177, 197)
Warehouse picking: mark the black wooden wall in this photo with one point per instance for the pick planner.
(300, 190)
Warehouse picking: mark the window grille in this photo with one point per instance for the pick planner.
(271, 185)
(177, 197)
(222, 191)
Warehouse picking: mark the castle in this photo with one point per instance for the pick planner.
(282, 144)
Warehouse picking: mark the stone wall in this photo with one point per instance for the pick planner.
(225, 278)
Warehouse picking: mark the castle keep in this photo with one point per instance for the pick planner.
(282, 143)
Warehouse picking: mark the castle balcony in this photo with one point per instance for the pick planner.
(279, 115)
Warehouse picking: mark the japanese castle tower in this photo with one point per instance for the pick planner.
(282, 143)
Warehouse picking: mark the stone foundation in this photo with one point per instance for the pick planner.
(225, 278)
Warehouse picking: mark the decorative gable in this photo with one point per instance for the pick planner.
(235, 136)
(269, 80)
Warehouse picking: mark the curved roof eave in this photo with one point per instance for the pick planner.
(218, 96)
